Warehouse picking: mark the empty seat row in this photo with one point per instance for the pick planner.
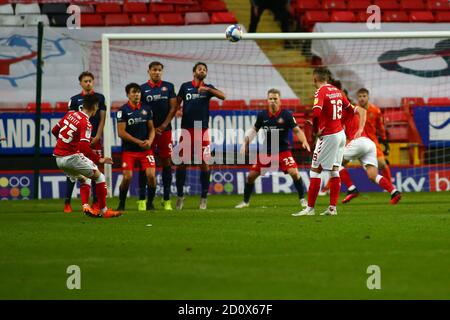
(432, 5)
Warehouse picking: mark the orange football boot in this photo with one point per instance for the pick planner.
(67, 208)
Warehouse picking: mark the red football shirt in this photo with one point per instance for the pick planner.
(73, 128)
(351, 122)
(331, 102)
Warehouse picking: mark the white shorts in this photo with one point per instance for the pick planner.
(329, 151)
(76, 166)
(362, 149)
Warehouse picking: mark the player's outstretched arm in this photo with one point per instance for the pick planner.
(124, 135)
(362, 120)
(302, 138)
(249, 136)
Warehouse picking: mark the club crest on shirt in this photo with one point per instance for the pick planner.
(164, 89)
(280, 121)
(144, 112)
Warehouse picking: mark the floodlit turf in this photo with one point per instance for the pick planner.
(223, 253)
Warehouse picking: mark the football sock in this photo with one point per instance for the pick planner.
(384, 183)
(299, 187)
(180, 176)
(335, 187)
(314, 188)
(85, 191)
(248, 189)
(387, 173)
(345, 177)
(204, 180)
(122, 196)
(101, 192)
(167, 181)
(69, 190)
(151, 194)
(142, 184)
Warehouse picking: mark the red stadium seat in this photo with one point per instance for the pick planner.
(305, 5)
(412, 101)
(148, 19)
(395, 16)
(412, 4)
(439, 101)
(45, 106)
(362, 16)
(398, 132)
(92, 20)
(160, 7)
(357, 5)
(134, 7)
(234, 104)
(117, 20)
(343, 16)
(182, 8)
(171, 19)
(334, 4)
(442, 16)
(115, 105)
(197, 18)
(212, 6)
(421, 16)
(311, 17)
(436, 5)
(387, 4)
(258, 104)
(214, 104)
(392, 115)
(61, 106)
(108, 8)
(290, 102)
(223, 17)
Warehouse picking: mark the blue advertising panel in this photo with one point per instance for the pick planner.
(433, 124)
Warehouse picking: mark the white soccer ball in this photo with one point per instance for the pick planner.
(234, 33)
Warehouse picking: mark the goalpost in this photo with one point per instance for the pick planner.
(244, 72)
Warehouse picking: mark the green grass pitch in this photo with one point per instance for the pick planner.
(223, 253)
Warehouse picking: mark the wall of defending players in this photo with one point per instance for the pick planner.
(19, 185)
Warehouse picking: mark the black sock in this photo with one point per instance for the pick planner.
(299, 186)
(167, 181)
(150, 194)
(248, 189)
(204, 181)
(142, 184)
(122, 197)
(181, 179)
(69, 190)
(94, 194)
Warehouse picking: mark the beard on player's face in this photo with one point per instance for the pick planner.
(87, 85)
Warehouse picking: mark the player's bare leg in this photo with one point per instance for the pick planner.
(313, 192)
(205, 174)
(372, 174)
(123, 189)
(248, 189)
(384, 169)
(298, 183)
(151, 180)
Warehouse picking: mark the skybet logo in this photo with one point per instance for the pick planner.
(440, 180)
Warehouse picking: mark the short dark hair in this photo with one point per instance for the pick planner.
(131, 86)
(274, 91)
(363, 90)
(323, 74)
(199, 64)
(90, 102)
(85, 74)
(155, 63)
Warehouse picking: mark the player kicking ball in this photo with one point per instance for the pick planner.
(329, 104)
(76, 158)
(364, 150)
(271, 120)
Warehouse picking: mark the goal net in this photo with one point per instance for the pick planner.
(407, 75)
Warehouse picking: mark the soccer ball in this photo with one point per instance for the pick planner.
(234, 33)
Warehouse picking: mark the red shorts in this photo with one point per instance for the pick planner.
(163, 143)
(285, 161)
(195, 135)
(145, 157)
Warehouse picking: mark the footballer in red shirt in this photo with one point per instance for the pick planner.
(328, 108)
(76, 158)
